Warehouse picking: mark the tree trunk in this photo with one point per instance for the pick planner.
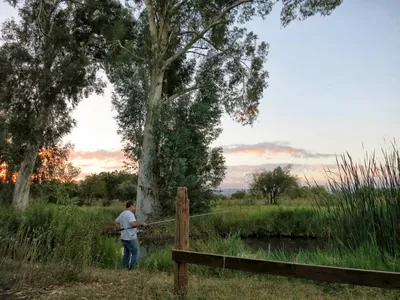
(147, 200)
(22, 186)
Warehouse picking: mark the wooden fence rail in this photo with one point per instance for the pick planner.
(390, 280)
(182, 257)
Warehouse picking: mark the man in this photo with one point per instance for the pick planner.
(126, 222)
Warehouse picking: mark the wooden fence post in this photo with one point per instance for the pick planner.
(181, 270)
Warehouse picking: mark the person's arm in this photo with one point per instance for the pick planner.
(134, 223)
(137, 224)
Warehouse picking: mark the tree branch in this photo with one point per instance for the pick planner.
(129, 51)
(179, 5)
(216, 21)
(181, 93)
(152, 22)
(196, 53)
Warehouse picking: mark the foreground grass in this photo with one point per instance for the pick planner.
(121, 284)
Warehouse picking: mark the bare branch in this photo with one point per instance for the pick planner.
(181, 93)
(214, 23)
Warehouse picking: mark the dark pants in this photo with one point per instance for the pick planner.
(131, 251)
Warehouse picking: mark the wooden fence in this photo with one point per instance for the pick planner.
(182, 257)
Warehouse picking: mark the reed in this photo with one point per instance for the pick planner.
(365, 207)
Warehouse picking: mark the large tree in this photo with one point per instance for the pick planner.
(207, 36)
(184, 132)
(48, 63)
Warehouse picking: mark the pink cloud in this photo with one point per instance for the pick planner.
(272, 148)
(97, 161)
(98, 155)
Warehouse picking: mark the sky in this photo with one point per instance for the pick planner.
(334, 86)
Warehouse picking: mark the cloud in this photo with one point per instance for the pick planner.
(238, 176)
(97, 161)
(98, 155)
(272, 148)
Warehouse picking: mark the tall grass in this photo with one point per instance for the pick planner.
(365, 208)
(65, 237)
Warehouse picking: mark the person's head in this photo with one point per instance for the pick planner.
(129, 206)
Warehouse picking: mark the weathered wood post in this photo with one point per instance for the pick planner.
(181, 270)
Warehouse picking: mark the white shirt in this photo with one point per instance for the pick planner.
(124, 219)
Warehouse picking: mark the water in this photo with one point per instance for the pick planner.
(287, 245)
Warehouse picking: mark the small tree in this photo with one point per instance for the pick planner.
(271, 184)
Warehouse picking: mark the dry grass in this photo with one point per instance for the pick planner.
(123, 284)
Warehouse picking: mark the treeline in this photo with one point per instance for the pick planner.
(94, 189)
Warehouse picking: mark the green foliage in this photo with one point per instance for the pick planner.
(240, 194)
(93, 187)
(273, 183)
(119, 184)
(109, 186)
(126, 191)
(365, 204)
(186, 131)
(51, 192)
